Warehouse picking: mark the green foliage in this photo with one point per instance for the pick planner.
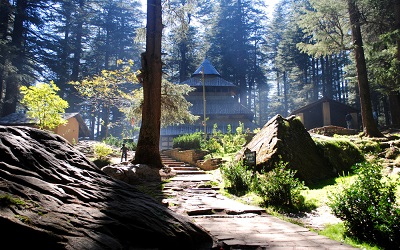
(44, 105)
(337, 232)
(174, 106)
(368, 206)
(213, 146)
(340, 153)
(326, 22)
(107, 89)
(188, 141)
(102, 150)
(116, 142)
(226, 143)
(217, 141)
(368, 146)
(237, 177)
(112, 141)
(279, 187)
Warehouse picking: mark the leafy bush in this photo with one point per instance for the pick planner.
(368, 206)
(114, 141)
(279, 187)
(238, 178)
(188, 141)
(213, 146)
(232, 143)
(102, 150)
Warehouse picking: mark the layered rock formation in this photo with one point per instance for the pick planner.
(53, 197)
(286, 139)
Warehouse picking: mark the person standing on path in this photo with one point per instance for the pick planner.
(124, 151)
(348, 120)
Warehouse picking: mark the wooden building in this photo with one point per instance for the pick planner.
(221, 105)
(72, 131)
(326, 112)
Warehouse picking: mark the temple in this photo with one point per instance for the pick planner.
(221, 105)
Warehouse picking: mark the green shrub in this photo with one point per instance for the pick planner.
(213, 146)
(188, 141)
(368, 207)
(279, 187)
(102, 150)
(114, 141)
(237, 177)
(131, 145)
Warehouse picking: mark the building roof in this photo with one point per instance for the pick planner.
(17, 119)
(207, 68)
(218, 105)
(21, 119)
(212, 78)
(209, 81)
(322, 100)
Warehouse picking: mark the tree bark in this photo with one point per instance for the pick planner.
(394, 96)
(18, 60)
(369, 126)
(5, 13)
(147, 151)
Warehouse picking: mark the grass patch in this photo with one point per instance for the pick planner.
(319, 193)
(337, 232)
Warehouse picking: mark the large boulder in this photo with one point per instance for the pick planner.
(53, 197)
(286, 139)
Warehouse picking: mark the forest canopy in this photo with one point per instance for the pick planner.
(281, 60)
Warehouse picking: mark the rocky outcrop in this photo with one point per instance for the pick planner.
(286, 139)
(137, 173)
(53, 197)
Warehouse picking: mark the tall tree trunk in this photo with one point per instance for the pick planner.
(323, 76)
(329, 77)
(314, 78)
(285, 94)
(183, 74)
(147, 151)
(78, 42)
(17, 36)
(394, 96)
(369, 126)
(74, 98)
(5, 12)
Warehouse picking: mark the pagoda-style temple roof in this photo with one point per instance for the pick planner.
(208, 69)
(209, 81)
(219, 106)
(211, 77)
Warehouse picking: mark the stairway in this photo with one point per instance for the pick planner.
(180, 168)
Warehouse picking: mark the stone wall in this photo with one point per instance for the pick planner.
(332, 130)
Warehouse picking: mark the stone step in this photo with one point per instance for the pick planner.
(174, 164)
(184, 168)
(188, 172)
